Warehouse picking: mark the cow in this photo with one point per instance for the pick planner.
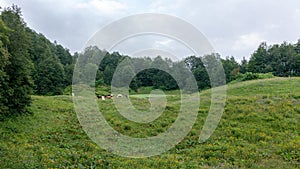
(122, 95)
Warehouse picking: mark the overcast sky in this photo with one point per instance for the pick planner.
(234, 27)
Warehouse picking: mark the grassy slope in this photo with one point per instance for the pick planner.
(259, 129)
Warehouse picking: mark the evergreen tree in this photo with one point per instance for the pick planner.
(4, 61)
(259, 59)
(18, 70)
(244, 65)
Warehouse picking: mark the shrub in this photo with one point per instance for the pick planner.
(68, 90)
(103, 90)
(252, 76)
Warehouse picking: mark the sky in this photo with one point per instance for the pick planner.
(233, 27)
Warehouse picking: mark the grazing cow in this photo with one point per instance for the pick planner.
(122, 95)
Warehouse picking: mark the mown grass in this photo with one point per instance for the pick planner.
(259, 129)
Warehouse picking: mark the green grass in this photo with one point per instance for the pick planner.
(259, 129)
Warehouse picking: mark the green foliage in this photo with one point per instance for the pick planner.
(103, 90)
(244, 66)
(252, 76)
(231, 68)
(259, 58)
(282, 60)
(15, 94)
(53, 65)
(198, 69)
(31, 57)
(4, 61)
(28, 60)
(50, 77)
(249, 76)
(68, 90)
(63, 54)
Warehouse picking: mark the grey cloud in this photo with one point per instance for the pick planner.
(225, 23)
(61, 21)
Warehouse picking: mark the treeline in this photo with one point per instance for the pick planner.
(158, 79)
(279, 60)
(282, 60)
(157, 71)
(29, 64)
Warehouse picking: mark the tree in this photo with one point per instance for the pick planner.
(288, 59)
(202, 77)
(244, 66)
(275, 59)
(39, 48)
(160, 76)
(66, 59)
(258, 60)
(19, 82)
(297, 58)
(63, 54)
(124, 74)
(4, 61)
(215, 70)
(193, 62)
(42, 49)
(50, 77)
(230, 68)
(199, 71)
(108, 74)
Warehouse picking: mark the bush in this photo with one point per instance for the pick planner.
(252, 76)
(265, 75)
(68, 90)
(103, 90)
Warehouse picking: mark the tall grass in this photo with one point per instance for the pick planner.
(259, 129)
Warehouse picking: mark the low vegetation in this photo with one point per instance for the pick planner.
(251, 76)
(259, 129)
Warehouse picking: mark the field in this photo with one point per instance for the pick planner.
(259, 129)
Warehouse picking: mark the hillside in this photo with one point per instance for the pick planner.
(259, 129)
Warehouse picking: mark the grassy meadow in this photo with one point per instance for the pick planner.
(259, 129)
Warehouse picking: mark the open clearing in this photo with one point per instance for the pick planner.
(259, 129)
